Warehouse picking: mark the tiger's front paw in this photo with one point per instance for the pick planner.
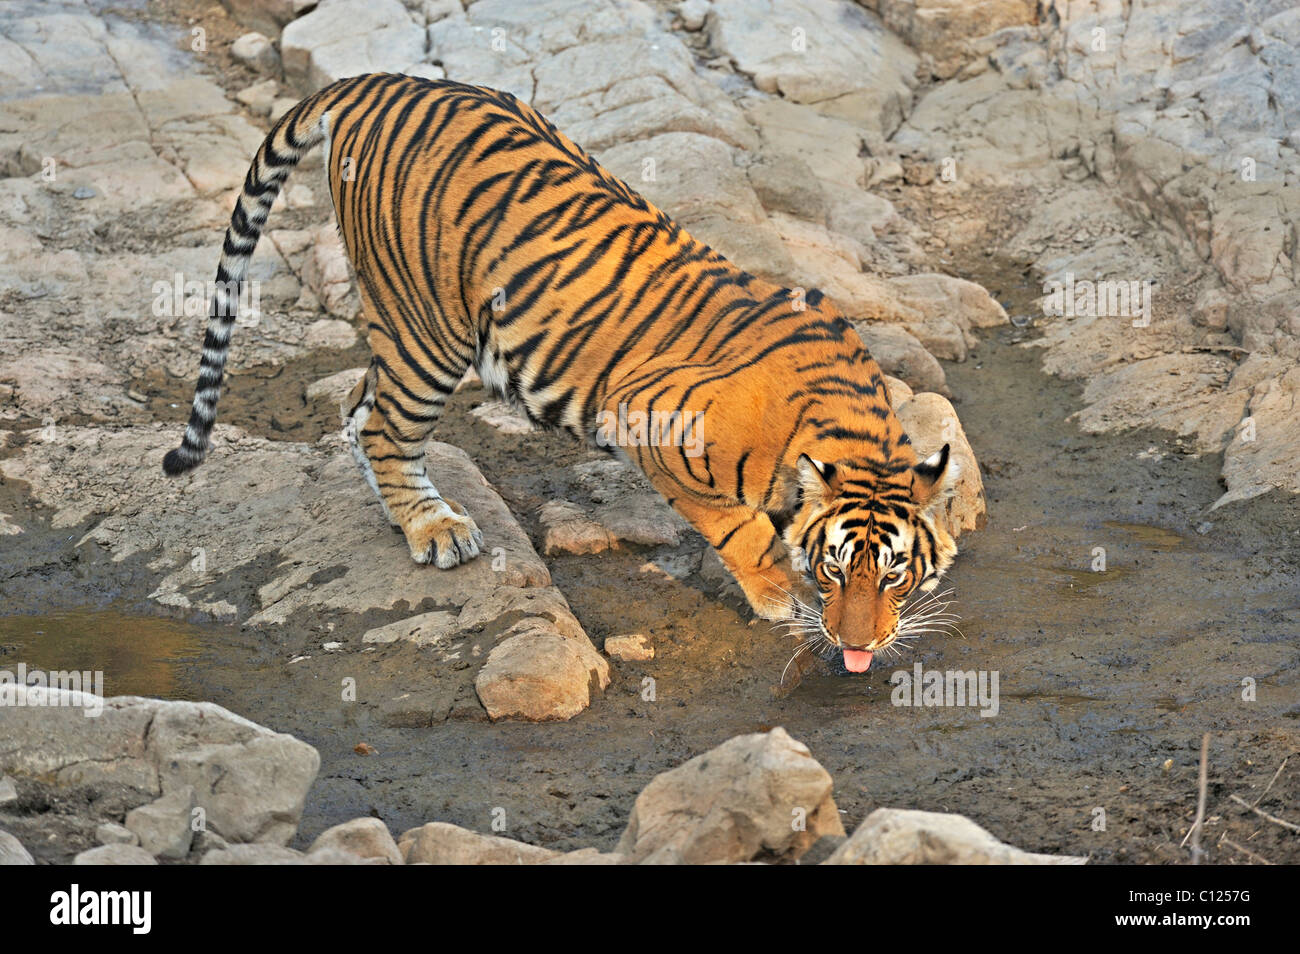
(445, 536)
(774, 595)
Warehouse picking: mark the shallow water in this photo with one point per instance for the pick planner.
(134, 655)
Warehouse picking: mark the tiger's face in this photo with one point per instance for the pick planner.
(868, 539)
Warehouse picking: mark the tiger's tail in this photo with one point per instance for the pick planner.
(298, 131)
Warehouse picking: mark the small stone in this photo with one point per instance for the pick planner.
(281, 106)
(439, 843)
(84, 192)
(331, 647)
(364, 748)
(115, 855)
(163, 826)
(631, 648)
(259, 96)
(693, 14)
(12, 851)
(1204, 527)
(8, 791)
(111, 833)
(256, 52)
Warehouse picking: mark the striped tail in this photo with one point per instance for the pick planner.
(300, 129)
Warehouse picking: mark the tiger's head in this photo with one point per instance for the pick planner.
(867, 538)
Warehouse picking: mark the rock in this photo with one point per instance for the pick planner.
(944, 29)
(537, 674)
(899, 392)
(335, 387)
(566, 528)
(280, 106)
(587, 856)
(891, 836)
(693, 13)
(8, 792)
(164, 825)
(504, 417)
(363, 837)
(348, 38)
(115, 855)
(330, 333)
(427, 629)
(12, 851)
(250, 781)
(259, 96)
(439, 843)
(256, 52)
(328, 273)
(1263, 448)
(899, 353)
(111, 833)
(631, 648)
(931, 421)
(836, 56)
(266, 15)
(312, 510)
(760, 795)
(1211, 309)
(254, 855)
(947, 310)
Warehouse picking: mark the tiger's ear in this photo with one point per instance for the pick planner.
(817, 480)
(933, 478)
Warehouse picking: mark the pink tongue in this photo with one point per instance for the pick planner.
(857, 660)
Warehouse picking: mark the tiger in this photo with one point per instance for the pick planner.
(482, 237)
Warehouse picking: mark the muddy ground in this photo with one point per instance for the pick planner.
(1107, 679)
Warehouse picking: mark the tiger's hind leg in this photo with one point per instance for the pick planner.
(389, 421)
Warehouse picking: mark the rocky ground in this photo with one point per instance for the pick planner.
(876, 151)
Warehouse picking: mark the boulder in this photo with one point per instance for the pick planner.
(12, 851)
(760, 796)
(363, 837)
(251, 782)
(931, 421)
(891, 836)
(267, 16)
(163, 827)
(343, 38)
(900, 354)
(833, 55)
(439, 843)
(538, 674)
